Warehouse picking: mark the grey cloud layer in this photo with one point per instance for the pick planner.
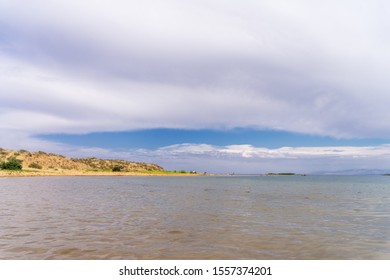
(305, 66)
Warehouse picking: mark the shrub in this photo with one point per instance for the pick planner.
(35, 165)
(116, 168)
(12, 164)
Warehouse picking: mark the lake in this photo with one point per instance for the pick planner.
(232, 217)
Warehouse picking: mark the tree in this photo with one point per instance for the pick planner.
(12, 164)
(117, 168)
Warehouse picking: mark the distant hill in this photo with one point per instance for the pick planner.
(48, 161)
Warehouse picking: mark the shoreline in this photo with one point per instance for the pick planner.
(8, 174)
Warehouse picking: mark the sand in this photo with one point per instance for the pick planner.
(32, 173)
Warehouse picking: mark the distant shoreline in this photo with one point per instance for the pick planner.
(7, 173)
(78, 173)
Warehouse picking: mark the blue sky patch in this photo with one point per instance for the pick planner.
(156, 138)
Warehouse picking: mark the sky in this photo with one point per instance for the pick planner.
(215, 86)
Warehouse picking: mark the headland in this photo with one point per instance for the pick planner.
(23, 163)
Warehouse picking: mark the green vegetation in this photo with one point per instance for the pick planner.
(281, 174)
(117, 168)
(161, 172)
(35, 165)
(28, 171)
(183, 172)
(11, 164)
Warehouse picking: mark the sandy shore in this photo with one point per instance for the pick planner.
(6, 173)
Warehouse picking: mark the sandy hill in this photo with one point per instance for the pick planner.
(48, 161)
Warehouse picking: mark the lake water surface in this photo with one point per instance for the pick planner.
(235, 217)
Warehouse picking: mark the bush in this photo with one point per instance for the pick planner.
(35, 165)
(116, 168)
(12, 164)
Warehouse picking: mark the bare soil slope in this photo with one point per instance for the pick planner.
(47, 161)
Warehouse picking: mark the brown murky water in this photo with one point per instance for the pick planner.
(287, 217)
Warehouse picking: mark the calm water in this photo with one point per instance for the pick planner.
(286, 217)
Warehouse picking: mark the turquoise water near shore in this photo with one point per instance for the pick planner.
(232, 217)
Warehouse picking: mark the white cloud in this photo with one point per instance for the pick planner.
(305, 66)
(249, 151)
(249, 159)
